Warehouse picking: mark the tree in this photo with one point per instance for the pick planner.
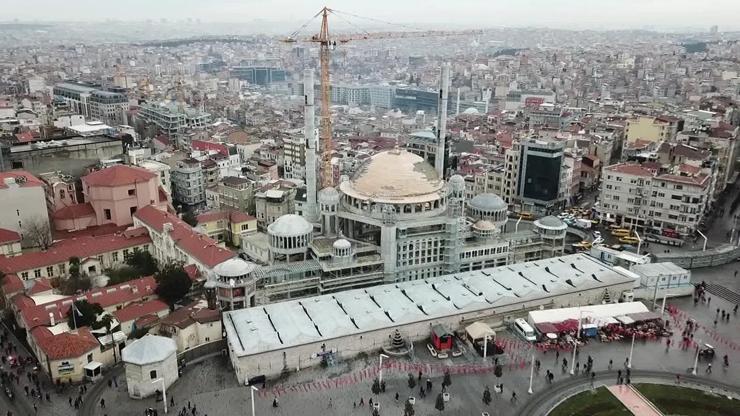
(38, 232)
(408, 409)
(83, 313)
(76, 282)
(144, 263)
(440, 404)
(447, 381)
(412, 381)
(106, 321)
(376, 387)
(173, 283)
(487, 396)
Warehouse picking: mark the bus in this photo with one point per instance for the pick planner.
(522, 328)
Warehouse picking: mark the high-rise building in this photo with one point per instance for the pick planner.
(541, 175)
(107, 106)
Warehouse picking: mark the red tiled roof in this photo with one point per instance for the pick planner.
(698, 180)
(118, 175)
(25, 137)
(146, 321)
(690, 169)
(37, 315)
(139, 309)
(8, 236)
(74, 211)
(61, 251)
(187, 315)
(203, 145)
(12, 284)
(200, 247)
(92, 231)
(30, 179)
(631, 169)
(39, 286)
(230, 215)
(71, 344)
(192, 271)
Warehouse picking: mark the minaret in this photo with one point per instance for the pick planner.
(309, 133)
(457, 104)
(444, 87)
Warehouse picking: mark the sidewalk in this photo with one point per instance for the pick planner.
(634, 401)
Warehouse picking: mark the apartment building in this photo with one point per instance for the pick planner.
(23, 203)
(188, 182)
(641, 196)
(235, 193)
(652, 129)
(109, 107)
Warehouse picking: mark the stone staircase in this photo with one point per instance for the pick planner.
(723, 292)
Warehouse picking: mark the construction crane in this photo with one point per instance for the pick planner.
(326, 44)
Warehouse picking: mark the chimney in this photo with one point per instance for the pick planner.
(51, 318)
(167, 227)
(10, 182)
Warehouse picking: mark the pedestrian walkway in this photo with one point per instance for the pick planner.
(634, 401)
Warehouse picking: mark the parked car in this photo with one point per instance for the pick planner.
(432, 350)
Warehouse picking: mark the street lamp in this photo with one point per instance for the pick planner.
(164, 391)
(531, 375)
(639, 241)
(380, 372)
(705, 240)
(485, 346)
(632, 349)
(252, 389)
(573, 361)
(696, 358)
(662, 307)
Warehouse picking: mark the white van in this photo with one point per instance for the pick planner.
(524, 330)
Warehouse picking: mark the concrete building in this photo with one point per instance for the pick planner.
(237, 194)
(23, 204)
(93, 103)
(542, 181)
(273, 201)
(639, 196)
(151, 365)
(188, 183)
(275, 338)
(61, 190)
(652, 129)
(173, 120)
(174, 240)
(162, 170)
(227, 226)
(72, 155)
(192, 326)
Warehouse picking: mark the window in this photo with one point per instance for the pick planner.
(62, 269)
(114, 255)
(132, 192)
(125, 252)
(106, 213)
(132, 210)
(245, 227)
(24, 275)
(153, 374)
(62, 193)
(37, 273)
(50, 271)
(89, 358)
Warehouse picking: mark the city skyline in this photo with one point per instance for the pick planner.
(573, 14)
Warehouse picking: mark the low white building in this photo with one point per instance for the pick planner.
(273, 338)
(150, 361)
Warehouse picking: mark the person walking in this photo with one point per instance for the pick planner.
(102, 403)
(610, 365)
(709, 368)
(513, 397)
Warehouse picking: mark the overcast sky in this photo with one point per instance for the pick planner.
(612, 14)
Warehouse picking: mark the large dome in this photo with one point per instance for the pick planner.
(487, 202)
(394, 176)
(290, 225)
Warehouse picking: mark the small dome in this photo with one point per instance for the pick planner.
(484, 225)
(234, 267)
(487, 202)
(342, 244)
(149, 349)
(457, 182)
(471, 110)
(290, 225)
(551, 223)
(329, 196)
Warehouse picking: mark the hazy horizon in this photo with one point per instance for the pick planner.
(574, 14)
